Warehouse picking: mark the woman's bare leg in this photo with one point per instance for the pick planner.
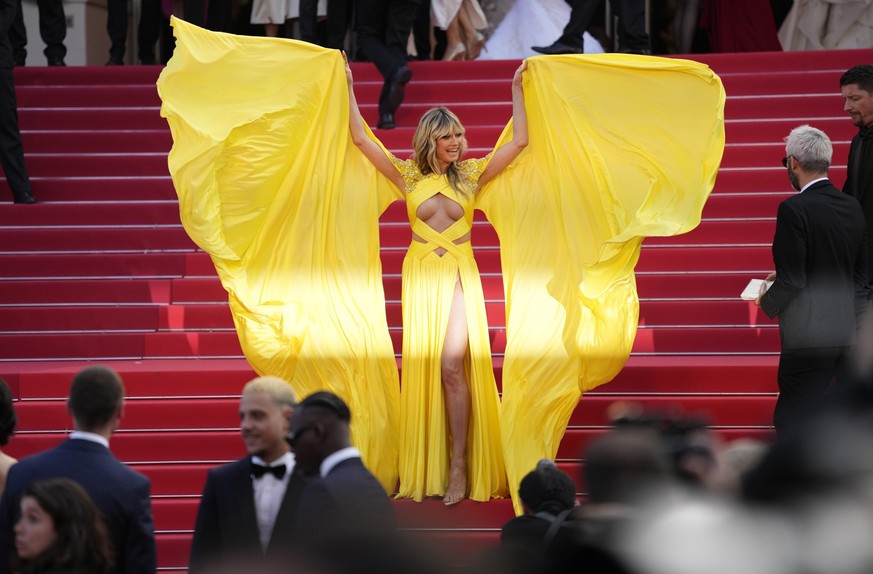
(455, 47)
(457, 396)
(271, 30)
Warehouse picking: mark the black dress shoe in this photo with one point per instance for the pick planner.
(24, 197)
(57, 62)
(396, 89)
(386, 121)
(556, 48)
(637, 51)
(115, 61)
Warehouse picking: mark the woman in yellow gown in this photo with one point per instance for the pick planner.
(272, 186)
(447, 374)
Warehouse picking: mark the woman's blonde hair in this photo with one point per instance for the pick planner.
(434, 124)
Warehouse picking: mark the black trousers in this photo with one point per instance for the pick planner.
(11, 150)
(631, 23)
(150, 21)
(215, 16)
(52, 30)
(339, 14)
(803, 377)
(383, 28)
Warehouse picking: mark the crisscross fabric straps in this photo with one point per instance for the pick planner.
(435, 239)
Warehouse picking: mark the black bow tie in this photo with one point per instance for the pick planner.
(259, 470)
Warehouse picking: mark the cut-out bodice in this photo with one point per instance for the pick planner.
(420, 188)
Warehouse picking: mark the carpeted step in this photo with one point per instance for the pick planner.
(189, 446)
(174, 414)
(102, 189)
(95, 141)
(763, 338)
(643, 374)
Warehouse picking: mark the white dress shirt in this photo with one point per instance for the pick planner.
(93, 437)
(269, 492)
(813, 182)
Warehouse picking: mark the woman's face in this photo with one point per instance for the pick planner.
(34, 531)
(448, 148)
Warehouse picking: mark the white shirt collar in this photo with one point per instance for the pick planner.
(336, 458)
(812, 182)
(93, 437)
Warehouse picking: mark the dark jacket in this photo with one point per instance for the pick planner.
(226, 520)
(120, 493)
(820, 253)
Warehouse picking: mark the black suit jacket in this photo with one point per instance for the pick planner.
(349, 500)
(820, 254)
(226, 520)
(121, 494)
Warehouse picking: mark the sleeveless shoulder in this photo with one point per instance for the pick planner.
(408, 171)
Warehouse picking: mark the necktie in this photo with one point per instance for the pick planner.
(258, 470)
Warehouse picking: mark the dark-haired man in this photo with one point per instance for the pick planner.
(346, 499)
(856, 86)
(122, 494)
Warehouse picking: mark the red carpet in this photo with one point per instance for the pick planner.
(102, 270)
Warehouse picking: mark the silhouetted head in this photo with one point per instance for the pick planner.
(547, 489)
(96, 399)
(319, 428)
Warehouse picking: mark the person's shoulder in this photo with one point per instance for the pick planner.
(227, 470)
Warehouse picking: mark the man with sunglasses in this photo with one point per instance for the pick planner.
(820, 284)
(249, 507)
(345, 499)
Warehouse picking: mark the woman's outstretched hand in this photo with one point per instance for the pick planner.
(517, 78)
(348, 68)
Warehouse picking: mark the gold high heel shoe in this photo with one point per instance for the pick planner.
(475, 45)
(456, 52)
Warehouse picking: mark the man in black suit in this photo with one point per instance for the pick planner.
(383, 28)
(11, 150)
(632, 35)
(249, 507)
(347, 499)
(820, 283)
(122, 494)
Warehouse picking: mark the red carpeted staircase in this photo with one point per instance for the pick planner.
(101, 270)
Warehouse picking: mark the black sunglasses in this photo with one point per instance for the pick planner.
(294, 436)
(785, 160)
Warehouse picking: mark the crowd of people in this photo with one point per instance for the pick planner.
(662, 492)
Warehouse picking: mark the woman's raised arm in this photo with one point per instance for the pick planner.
(371, 149)
(510, 150)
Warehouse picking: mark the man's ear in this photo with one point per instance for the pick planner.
(287, 413)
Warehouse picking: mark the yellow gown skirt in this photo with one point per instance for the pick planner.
(425, 445)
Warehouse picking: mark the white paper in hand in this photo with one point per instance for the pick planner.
(753, 289)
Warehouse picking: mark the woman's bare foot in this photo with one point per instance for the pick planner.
(457, 489)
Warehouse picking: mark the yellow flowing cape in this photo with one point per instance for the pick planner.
(270, 185)
(621, 147)
(272, 188)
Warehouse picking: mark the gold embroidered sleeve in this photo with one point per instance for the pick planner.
(408, 171)
(473, 168)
